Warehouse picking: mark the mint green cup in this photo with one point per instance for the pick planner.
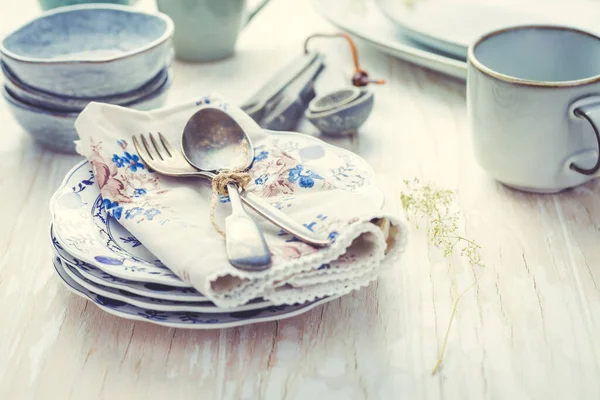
(206, 30)
(49, 4)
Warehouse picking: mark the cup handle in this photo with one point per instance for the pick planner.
(588, 109)
(253, 11)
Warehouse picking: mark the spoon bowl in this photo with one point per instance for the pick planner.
(213, 141)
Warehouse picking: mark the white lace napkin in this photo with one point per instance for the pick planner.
(327, 189)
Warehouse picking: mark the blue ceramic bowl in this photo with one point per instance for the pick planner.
(335, 99)
(345, 119)
(56, 130)
(75, 104)
(89, 50)
(48, 4)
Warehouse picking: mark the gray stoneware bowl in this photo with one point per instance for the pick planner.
(75, 104)
(55, 130)
(49, 4)
(89, 50)
(334, 99)
(344, 119)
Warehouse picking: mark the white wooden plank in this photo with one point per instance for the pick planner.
(526, 331)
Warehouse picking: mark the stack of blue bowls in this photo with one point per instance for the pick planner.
(68, 57)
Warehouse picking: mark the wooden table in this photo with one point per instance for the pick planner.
(529, 329)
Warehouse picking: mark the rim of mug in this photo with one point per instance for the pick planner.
(472, 59)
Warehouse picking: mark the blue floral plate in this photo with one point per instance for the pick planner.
(152, 290)
(85, 230)
(151, 296)
(154, 304)
(188, 320)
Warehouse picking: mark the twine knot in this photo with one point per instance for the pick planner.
(220, 182)
(219, 187)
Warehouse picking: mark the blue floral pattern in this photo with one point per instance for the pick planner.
(304, 177)
(283, 166)
(81, 186)
(119, 161)
(261, 180)
(284, 202)
(110, 303)
(134, 161)
(113, 208)
(224, 199)
(132, 240)
(150, 214)
(149, 290)
(263, 155)
(332, 236)
(153, 315)
(122, 183)
(283, 172)
(128, 160)
(185, 318)
(123, 258)
(133, 212)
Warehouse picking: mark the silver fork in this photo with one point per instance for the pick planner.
(171, 162)
(245, 244)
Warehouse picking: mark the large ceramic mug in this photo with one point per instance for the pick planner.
(533, 95)
(207, 30)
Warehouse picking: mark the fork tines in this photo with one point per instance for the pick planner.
(153, 151)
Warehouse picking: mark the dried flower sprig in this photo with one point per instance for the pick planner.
(437, 206)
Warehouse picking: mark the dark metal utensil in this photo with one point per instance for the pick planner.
(281, 101)
(290, 105)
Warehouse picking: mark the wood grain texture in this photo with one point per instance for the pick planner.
(528, 330)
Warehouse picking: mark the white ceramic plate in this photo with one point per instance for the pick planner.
(86, 232)
(152, 290)
(187, 320)
(362, 18)
(451, 26)
(153, 304)
(83, 229)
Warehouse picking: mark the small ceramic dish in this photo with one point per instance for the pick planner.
(75, 104)
(344, 119)
(89, 50)
(55, 130)
(332, 100)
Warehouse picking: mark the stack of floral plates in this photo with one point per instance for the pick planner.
(101, 261)
(98, 259)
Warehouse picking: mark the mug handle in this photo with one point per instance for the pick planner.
(255, 10)
(588, 109)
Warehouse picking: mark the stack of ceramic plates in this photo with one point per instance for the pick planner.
(435, 34)
(101, 261)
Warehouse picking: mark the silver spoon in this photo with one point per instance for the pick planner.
(214, 142)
